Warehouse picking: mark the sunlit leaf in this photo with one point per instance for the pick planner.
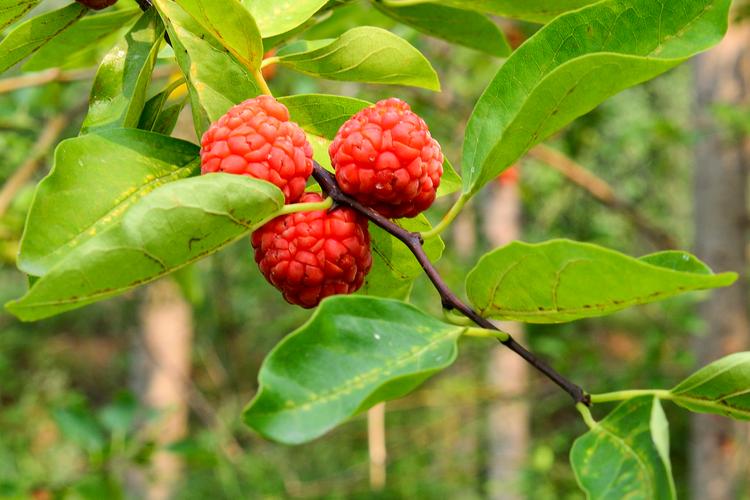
(12, 10)
(121, 82)
(574, 63)
(31, 35)
(173, 226)
(563, 280)
(366, 54)
(275, 17)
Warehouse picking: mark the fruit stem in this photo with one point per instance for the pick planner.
(258, 74)
(447, 218)
(450, 300)
(313, 206)
(485, 333)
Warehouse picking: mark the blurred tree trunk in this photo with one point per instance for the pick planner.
(160, 369)
(718, 453)
(508, 418)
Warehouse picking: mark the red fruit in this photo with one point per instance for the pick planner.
(386, 159)
(311, 255)
(256, 138)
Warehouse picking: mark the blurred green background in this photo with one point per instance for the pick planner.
(70, 420)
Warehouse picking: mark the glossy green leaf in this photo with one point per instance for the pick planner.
(121, 82)
(455, 25)
(353, 353)
(13, 10)
(79, 45)
(31, 35)
(539, 11)
(394, 267)
(563, 280)
(574, 63)
(216, 79)
(167, 118)
(94, 180)
(231, 25)
(275, 17)
(322, 115)
(366, 54)
(173, 226)
(626, 455)
(723, 387)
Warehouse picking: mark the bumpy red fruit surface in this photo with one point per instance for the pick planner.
(386, 159)
(256, 138)
(311, 255)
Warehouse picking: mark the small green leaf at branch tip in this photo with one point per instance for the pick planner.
(585, 412)
(485, 333)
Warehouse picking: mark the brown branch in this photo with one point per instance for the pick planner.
(40, 149)
(601, 191)
(449, 299)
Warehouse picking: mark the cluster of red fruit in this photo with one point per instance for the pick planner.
(384, 157)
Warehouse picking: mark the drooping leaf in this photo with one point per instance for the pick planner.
(121, 82)
(353, 353)
(563, 280)
(626, 455)
(216, 80)
(173, 226)
(463, 27)
(394, 267)
(79, 45)
(366, 54)
(231, 25)
(12, 10)
(538, 11)
(31, 35)
(155, 105)
(275, 17)
(94, 180)
(322, 115)
(573, 64)
(723, 387)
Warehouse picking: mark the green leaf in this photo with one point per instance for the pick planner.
(574, 63)
(394, 267)
(94, 180)
(79, 45)
(173, 226)
(12, 10)
(155, 105)
(231, 25)
(121, 82)
(538, 11)
(455, 25)
(366, 54)
(353, 353)
(322, 115)
(216, 80)
(723, 388)
(563, 280)
(31, 35)
(275, 17)
(626, 455)
(168, 116)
